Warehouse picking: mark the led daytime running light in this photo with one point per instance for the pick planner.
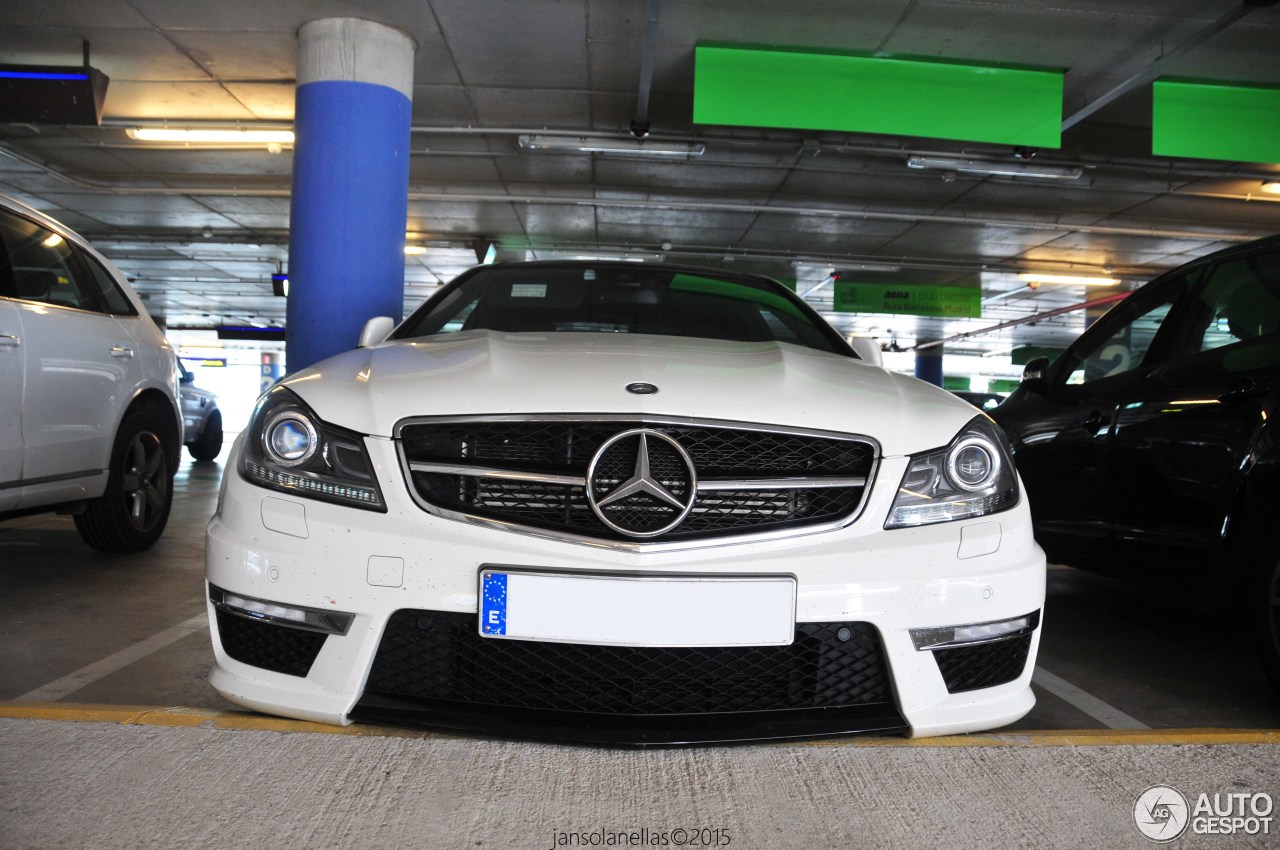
(943, 637)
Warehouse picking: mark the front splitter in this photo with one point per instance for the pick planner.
(631, 730)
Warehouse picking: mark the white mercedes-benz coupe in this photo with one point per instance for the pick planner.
(622, 503)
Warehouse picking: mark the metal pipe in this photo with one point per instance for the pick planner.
(671, 203)
(1048, 314)
(1171, 170)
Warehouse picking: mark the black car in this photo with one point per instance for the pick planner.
(1150, 447)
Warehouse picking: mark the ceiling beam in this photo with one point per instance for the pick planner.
(1158, 67)
(640, 125)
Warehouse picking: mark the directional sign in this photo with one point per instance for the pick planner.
(908, 299)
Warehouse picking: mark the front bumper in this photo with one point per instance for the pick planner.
(274, 546)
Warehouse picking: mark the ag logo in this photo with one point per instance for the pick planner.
(1161, 813)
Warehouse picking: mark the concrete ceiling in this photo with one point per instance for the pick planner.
(201, 231)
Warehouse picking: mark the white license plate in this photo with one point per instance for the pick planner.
(637, 610)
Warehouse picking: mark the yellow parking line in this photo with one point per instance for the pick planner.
(144, 715)
(1070, 738)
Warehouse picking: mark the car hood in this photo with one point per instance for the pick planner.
(486, 372)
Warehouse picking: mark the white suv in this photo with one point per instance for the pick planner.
(89, 417)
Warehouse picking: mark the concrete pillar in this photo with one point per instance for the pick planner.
(350, 183)
(929, 364)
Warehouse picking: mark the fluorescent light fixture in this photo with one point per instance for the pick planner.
(618, 145)
(414, 250)
(1068, 279)
(210, 136)
(854, 268)
(987, 166)
(51, 241)
(1272, 187)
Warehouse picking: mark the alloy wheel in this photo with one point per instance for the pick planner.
(144, 481)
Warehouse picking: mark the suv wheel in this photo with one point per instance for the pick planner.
(132, 513)
(210, 441)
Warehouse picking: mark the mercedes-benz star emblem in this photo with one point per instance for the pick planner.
(641, 483)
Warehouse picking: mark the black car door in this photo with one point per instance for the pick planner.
(1184, 436)
(1062, 435)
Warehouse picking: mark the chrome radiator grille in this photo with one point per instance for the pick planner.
(582, 478)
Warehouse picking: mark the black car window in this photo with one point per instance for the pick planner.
(615, 299)
(1239, 302)
(43, 265)
(109, 292)
(1123, 337)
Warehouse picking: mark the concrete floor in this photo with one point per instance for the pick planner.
(80, 628)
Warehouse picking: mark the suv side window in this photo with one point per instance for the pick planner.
(1132, 329)
(1239, 303)
(44, 265)
(109, 292)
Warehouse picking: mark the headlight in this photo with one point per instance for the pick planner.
(971, 477)
(288, 448)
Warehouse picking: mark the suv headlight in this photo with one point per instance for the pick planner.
(971, 477)
(288, 448)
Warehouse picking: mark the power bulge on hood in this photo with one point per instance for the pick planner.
(623, 503)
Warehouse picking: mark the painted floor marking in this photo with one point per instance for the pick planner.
(91, 673)
(1103, 712)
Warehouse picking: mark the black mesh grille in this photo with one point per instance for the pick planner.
(265, 645)
(434, 655)
(567, 448)
(968, 668)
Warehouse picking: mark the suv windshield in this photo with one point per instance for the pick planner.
(628, 299)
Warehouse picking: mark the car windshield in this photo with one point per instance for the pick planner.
(622, 300)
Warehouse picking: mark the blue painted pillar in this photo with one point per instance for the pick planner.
(929, 364)
(350, 184)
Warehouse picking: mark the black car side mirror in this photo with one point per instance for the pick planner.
(1033, 375)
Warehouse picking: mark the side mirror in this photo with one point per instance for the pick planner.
(866, 348)
(376, 330)
(1035, 368)
(1033, 375)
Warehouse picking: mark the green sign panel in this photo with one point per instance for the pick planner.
(800, 89)
(909, 299)
(1215, 121)
(1025, 354)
